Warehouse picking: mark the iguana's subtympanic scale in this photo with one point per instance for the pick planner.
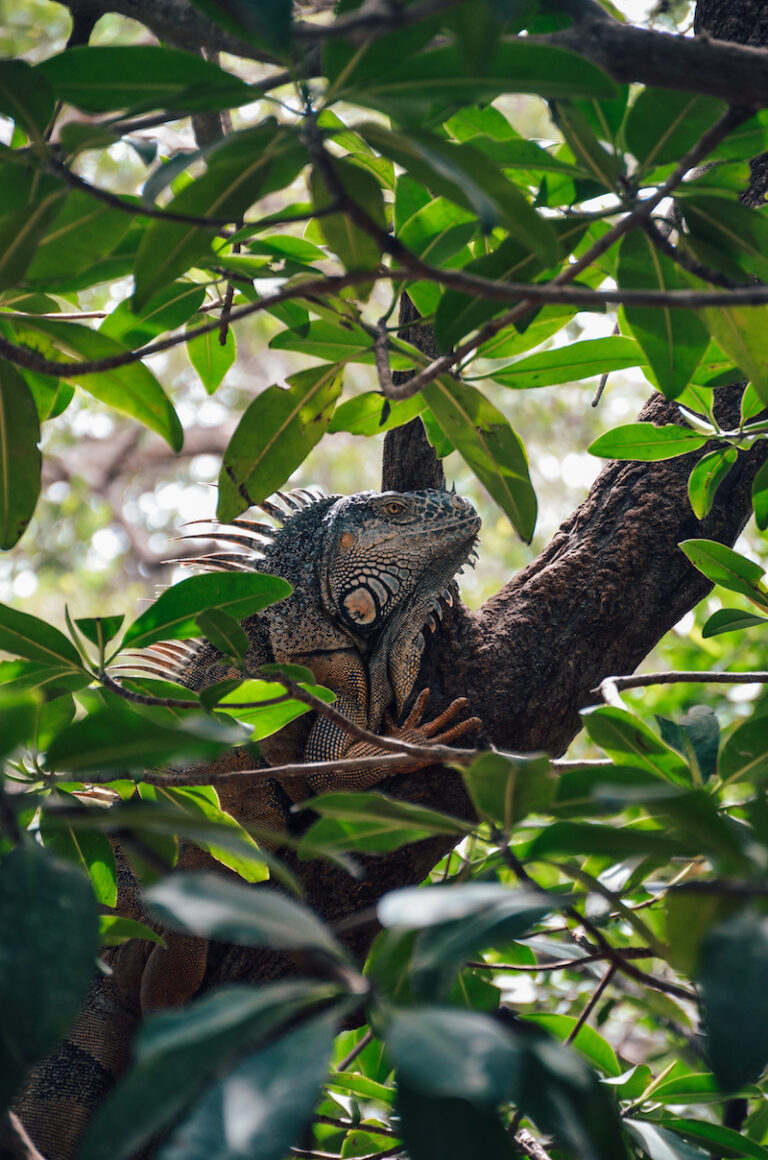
(368, 572)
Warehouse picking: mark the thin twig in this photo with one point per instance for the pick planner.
(358, 1049)
(531, 1146)
(610, 685)
(687, 261)
(566, 964)
(585, 1014)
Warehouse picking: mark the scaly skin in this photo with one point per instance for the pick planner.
(368, 572)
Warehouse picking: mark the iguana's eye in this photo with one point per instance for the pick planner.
(394, 507)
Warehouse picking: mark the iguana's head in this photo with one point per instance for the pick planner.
(383, 551)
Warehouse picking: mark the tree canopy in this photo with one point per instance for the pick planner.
(522, 950)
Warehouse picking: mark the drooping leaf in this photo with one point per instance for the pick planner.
(728, 232)
(588, 1042)
(602, 165)
(367, 414)
(173, 614)
(730, 620)
(663, 124)
(114, 930)
(673, 340)
(730, 569)
(83, 230)
(167, 310)
(706, 478)
(20, 459)
(742, 332)
(277, 431)
(28, 636)
(744, 755)
(223, 631)
(50, 938)
(18, 714)
(372, 823)
(210, 359)
(732, 967)
(20, 233)
(117, 739)
(484, 438)
(760, 497)
(647, 442)
(103, 78)
(627, 739)
(264, 720)
(213, 907)
(505, 790)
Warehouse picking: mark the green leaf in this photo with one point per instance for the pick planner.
(450, 1127)
(688, 918)
(82, 231)
(103, 78)
(730, 569)
(673, 340)
(49, 919)
(20, 459)
(276, 433)
(363, 414)
(210, 906)
(505, 790)
(626, 739)
(660, 1144)
(18, 715)
(223, 631)
(131, 389)
(20, 234)
(264, 1103)
(588, 1043)
(706, 478)
(115, 930)
(742, 332)
(729, 231)
(336, 342)
(716, 1138)
(27, 636)
(443, 1052)
(416, 88)
(484, 438)
(745, 754)
(595, 160)
(354, 247)
(372, 823)
(697, 735)
(596, 840)
(468, 178)
(210, 359)
(173, 616)
(203, 802)
(567, 364)
(647, 442)
(730, 620)
(247, 165)
(119, 739)
(169, 309)
(26, 97)
(90, 851)
(732, 970)
(268, 22)
(178, 1051)
(267, 719)
(663, 124)
(99, 630)
(760, 497)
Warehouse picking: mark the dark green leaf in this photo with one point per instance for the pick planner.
(467, 177)
(663, 124)
(336, 342)
(173, 615)
(83, 229)
(20, 233)
(277, 431)
(210, 359)
(732, 970)
(588, 1043)
(688, 919)
(223, 631)
(355, 248)
(177, 1051)
(745, 754)
(595, 160)
(442, 1052)
(267, 22)
(27, 636)
(265, 720)
(760, 497)
(213, 907)
(26, 97)
(18, 714)
(730, 569)
(505, 790)
(742, 332)
(567, 364)
(706, 478)
(166, 311)
(647, 442)
(119, 739)
(53, 680)
(264, 1103)
(673, 340)
(20, 458)
(730, 620)
(372, 823)
(89, 850)
(131, 389)
(716, 1138)
(484, 438)
(661, 1144)
(627, 739)
(49, 919)
(106, 77)
(450, 1127)
(587, 838)
(99, 630)
(115, 930)
(697, 735)
(724, 226)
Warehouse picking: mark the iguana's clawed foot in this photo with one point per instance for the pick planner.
(413, 730)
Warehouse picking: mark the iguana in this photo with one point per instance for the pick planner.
(368, 573)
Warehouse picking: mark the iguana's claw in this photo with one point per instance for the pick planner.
(412, 728)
